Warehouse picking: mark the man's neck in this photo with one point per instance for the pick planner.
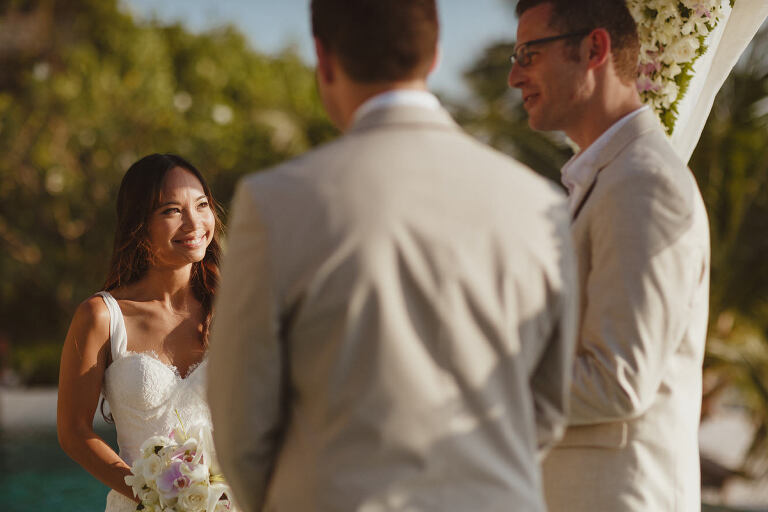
(360, 93)
(603, 112)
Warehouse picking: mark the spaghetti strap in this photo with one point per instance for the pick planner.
(118, 338)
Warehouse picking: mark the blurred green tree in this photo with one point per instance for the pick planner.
(731, 165)
(85, 90)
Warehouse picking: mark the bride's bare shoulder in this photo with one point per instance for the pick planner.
(88, 333)
(92, 312)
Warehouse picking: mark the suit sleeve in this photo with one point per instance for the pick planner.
(245, 368)
(551, 379)
(638, 295)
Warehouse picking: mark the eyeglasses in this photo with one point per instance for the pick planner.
(522, 56)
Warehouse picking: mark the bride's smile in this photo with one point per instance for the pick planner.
(180, 228)
(192, 242)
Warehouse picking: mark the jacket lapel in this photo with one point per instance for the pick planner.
(639, 125)
(584, 198)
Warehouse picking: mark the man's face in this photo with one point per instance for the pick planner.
(552, 82)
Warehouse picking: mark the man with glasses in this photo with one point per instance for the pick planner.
(642, 240)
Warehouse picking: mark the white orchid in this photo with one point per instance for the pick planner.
(179, 473)
(148, 496)
(196, 472)
(153, 445)
(218, 494)
(223, 506)
(151, 467)
(136, 481)
(671, 34)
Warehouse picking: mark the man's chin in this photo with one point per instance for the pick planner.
(535, 125)
(540, 125)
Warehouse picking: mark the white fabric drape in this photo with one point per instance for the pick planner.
(726, 44)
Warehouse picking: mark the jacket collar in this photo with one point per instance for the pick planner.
(399, 115)
(633, 129)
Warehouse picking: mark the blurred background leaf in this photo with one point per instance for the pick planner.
(85, 90)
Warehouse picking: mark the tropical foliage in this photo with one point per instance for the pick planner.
(731, 165)
(84, 91)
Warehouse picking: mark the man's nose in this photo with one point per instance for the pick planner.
(516, 77)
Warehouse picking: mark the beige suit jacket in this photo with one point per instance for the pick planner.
(642, 240)
(395, 326)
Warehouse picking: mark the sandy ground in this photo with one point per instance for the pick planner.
(724, 439)
(30, 408)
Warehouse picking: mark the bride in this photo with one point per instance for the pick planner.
(142, 341)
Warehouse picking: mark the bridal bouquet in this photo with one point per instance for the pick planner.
(179, 473)
(672, 36)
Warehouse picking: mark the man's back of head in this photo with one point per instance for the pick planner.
(368, 47)
(378, 41)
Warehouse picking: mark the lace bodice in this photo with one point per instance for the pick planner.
(145, 395)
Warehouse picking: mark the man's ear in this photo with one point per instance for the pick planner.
(599, 48)
(325, 69)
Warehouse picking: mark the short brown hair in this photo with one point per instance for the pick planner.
(378, 40)
(612, 15)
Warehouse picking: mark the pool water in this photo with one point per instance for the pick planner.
(36, 475)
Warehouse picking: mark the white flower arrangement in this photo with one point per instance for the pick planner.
(672, 35)
(179, 473)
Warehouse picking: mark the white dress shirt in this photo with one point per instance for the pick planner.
(579, 172)
(410, 97)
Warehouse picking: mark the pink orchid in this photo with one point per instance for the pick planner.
(645, 85)
(172, 480)
(703, 11)
(650, 67)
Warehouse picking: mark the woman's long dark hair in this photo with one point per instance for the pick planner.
(138, 197)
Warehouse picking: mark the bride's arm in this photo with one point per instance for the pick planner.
(83, 361)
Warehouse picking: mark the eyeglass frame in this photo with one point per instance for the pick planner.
(525, 59)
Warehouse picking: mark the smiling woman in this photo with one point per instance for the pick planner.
(182, 225)
(149, 201)
(145, 336)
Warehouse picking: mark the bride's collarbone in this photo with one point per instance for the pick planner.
(174, 340)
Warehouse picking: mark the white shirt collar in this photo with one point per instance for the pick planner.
(410, 97)
(579, 172)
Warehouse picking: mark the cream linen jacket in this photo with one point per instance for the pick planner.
(642, 240)
(395, 327)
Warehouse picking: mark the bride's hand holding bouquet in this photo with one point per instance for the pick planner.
(179, 473)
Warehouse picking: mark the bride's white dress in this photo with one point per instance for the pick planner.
(145, 395)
